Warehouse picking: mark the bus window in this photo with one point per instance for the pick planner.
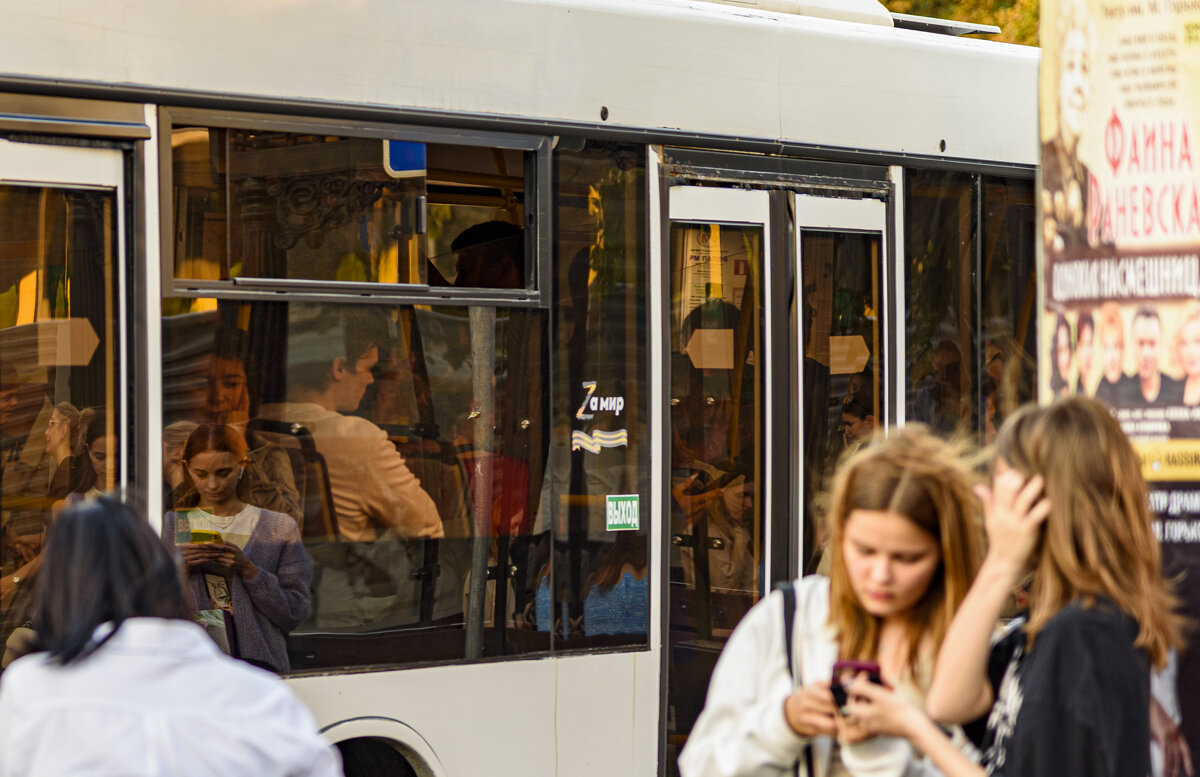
(1009, 295)
(940, 228)
(594, 587)
(717, 450)
(284, 205)
(968, 238)
(412, 444)
(59, 407)
(362, 426)
(840, 326)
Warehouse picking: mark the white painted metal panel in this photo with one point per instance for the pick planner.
(60, 165)
(666, 64)
(814, 212)
(598, 718)
(576, 715)
(499, 714)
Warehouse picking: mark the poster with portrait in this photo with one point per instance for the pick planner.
(1120, 217)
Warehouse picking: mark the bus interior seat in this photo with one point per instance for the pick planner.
(312, 475)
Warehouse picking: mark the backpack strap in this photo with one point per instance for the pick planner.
(789, 622)
(789, 619)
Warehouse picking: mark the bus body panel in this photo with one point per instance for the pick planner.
(575, 715)
(700, 69)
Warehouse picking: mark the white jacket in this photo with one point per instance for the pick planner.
(156, 700)
(742, 730)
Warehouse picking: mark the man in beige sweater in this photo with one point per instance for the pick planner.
(330, 358)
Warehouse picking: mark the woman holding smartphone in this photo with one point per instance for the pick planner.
(905, 545)
(240, 559)
(1066, 692)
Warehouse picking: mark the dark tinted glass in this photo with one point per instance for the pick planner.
(594, 587)
(285, 205)
(970, 289)
(58, 368)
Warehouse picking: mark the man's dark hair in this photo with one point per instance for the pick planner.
(857, 406)
(1147, 311)
(1085, 321)
(317, 336)
(102, 564)
(502, 234)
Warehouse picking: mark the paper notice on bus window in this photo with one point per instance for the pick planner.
(621, 512)
(713, 264)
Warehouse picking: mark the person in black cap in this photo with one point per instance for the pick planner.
(490, 255)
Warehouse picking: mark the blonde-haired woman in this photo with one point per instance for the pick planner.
(1187, 350)
(906, 545)
(1068, 691)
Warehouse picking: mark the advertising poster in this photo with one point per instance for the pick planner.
(1120, 210)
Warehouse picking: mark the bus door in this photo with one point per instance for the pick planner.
(838, 313)
(61, 346)
(717, 433)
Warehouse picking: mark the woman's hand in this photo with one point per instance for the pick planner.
(693, 500)
(810, 710)
(1014, 510)
(196, 554)
(1177, 756)
(231, 556)
(875, 710)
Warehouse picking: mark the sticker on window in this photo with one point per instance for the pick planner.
(621, 512)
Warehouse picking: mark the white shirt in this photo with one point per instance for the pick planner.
(235, 528)
(157, 700)
(742, 731)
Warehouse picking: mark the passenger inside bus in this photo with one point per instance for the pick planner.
(99, 470)
(227, 400)
(712, 481)
(939, 404)
(26, 467)
(616, 596)
(62, 443)
(246, 562)
(858, 420)
(174, 472)
(331, 355)
(490, 255)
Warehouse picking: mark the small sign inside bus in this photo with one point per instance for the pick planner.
(621, 512)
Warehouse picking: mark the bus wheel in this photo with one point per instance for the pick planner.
(375, 757)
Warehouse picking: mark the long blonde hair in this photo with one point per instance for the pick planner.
(919, 476)
(1098, 539)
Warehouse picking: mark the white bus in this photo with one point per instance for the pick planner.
(616, 281)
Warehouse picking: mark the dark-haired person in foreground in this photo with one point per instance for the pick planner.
(125, 684)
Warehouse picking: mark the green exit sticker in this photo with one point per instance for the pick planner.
(621, 512)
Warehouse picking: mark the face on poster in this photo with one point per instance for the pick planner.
(1120, 207)
(1120, 217)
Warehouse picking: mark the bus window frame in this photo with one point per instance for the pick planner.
(538, 216)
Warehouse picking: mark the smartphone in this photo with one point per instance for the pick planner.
(199, 535)
(850, 669)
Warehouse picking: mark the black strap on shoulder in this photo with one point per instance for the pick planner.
(789, 619)
(789, 622)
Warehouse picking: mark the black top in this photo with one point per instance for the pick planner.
(1077, 705)
(1126, 391)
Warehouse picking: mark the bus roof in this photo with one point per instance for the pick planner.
(655, 65)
